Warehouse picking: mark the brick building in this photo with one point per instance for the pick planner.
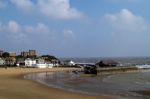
(24, 54)
(12, 54)
(29, 53)
(32, 52)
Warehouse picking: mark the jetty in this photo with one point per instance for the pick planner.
(110, 70)
(114, 70)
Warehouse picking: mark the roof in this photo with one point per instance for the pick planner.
(29, 59)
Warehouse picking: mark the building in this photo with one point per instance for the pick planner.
(12, 54)
(37, 63)
(10, 61)
(1, 53)
(32, 52)
(41, 63)
(30, 62)
(144, 66)
(69, 63)
(9, 57)
(20, 61)
(2, 61)
(24, 54)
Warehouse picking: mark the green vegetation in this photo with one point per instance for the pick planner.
(5, 55)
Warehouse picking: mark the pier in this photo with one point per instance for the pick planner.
(112, 70)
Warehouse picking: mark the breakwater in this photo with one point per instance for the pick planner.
(114, 70)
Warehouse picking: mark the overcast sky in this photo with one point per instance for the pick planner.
(76, 28)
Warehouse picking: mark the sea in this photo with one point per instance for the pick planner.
(125, 61)
(120, 86)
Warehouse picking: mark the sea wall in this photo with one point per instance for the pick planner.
(114, 70)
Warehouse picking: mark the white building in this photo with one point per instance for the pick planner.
(44, 65)
(37, 63)
(30, 62)
(69, 63)
(2, 61)
(145, 66)
(40, 63)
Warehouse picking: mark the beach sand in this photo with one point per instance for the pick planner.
(14, 86)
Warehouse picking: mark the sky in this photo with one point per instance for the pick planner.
(76, 28)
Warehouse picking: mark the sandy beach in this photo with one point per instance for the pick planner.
(14, 86)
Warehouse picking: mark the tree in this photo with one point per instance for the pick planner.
(19, 56)
(32, 57)
(49, 57)
(5, 54)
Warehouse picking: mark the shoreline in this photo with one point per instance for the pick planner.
(143, 92)
(14, 86)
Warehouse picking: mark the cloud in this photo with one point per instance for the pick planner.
(126, 21)
(40, 28)
(25, 5)
(12, 31)
(18, 32)
(13, 27)
(33, 36)
(58, 9)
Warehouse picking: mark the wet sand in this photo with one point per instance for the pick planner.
(143, 92)
(14, 86)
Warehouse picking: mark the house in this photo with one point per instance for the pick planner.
(107, 63)
(69, 63)
(37, 63)
(30, 62)
(44, 65)
(20, 61)
(10, 61)
(12, 54)
(40, 63)
(2, 61)
(144, 66)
